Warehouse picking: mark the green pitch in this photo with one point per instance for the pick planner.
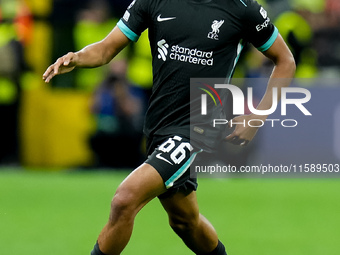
(62, 214)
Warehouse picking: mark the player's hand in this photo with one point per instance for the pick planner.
(63, 64)
(243, 133)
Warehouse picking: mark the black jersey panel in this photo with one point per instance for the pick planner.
(192, 39)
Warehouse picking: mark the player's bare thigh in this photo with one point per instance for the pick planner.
(139, 187)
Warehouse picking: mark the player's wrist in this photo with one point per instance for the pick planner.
(76, 59)
(258, 118)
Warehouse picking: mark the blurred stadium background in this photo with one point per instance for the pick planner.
(57, 139)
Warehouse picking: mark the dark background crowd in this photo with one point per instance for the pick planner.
(94, 118)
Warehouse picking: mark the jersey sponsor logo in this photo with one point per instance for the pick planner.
(192, 56)
(215, 29)
(162, 49)
(265, 24)
(160, 19)
(182, 54)
(263, 13)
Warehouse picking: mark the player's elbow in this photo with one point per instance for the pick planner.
(102, 53)
(286, 64)
(290, 63)
(108, 51)
(105, 57)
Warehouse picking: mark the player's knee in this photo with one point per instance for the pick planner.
(182, 225)
(123, 204)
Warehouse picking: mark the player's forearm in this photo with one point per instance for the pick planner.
(102, 52)
(281, 77)
(92, 56)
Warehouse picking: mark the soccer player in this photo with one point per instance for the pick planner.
(188, 38)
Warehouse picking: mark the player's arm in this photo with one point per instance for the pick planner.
(283, 72)
(93, 55)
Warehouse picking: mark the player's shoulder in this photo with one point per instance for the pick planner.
(243, 7)
(246, 4)
(150, 2)
(248, 9)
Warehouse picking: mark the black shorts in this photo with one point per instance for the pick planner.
(172, 157)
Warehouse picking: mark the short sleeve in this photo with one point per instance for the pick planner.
(135, 19)
(259, 30)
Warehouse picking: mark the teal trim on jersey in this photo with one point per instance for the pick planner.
(270, 42)
(239, 50)
(127, 31)
(244, 3)
(169, 183)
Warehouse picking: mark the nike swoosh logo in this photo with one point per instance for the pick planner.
(159, 19)
(164, 159)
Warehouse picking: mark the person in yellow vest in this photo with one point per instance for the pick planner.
(93, 24)
(298, 34)
(139, 70)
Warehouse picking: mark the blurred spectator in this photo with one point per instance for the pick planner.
(15, 21)
(298, 34)
(94, 22)
(313, 6)
(327, 40)
(119, 110)
(140, 64)
(333, 12)
(63, 19)
(86, 21)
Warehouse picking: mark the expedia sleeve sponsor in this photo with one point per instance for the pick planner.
(259, 30)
